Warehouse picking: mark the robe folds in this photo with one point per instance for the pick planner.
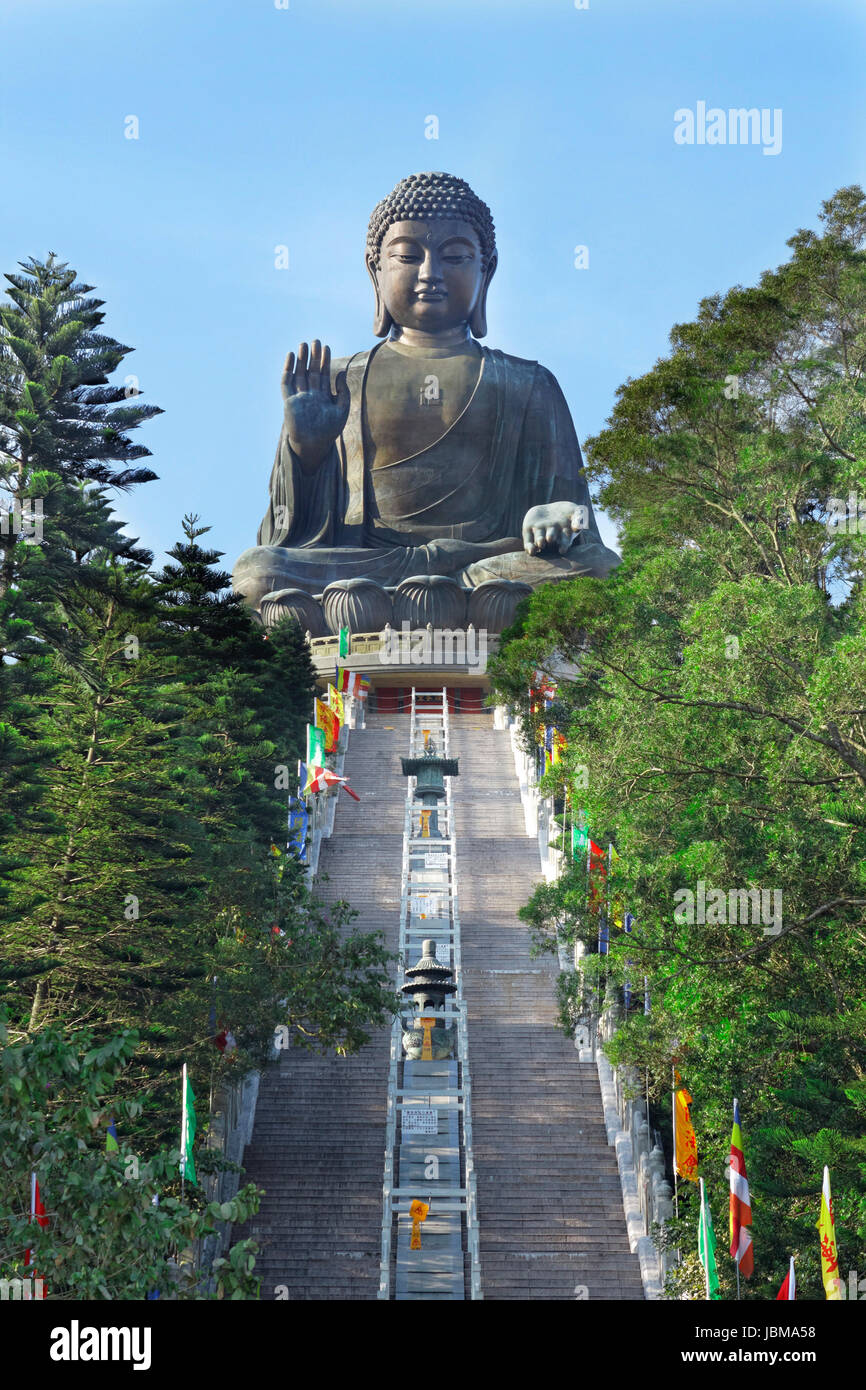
(454, 508)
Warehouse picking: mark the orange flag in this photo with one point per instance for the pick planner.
(685, 1141)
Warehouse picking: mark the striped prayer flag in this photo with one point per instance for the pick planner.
(322, 778)
(740, 1202)
(351, 682)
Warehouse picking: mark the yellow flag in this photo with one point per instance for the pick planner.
(326, 719)
(335, 700)
(827, 1231)
(685, 1140)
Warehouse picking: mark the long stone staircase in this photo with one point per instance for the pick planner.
(549, 1198)
(318, 1140)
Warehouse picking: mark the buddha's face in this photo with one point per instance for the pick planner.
(431, 274)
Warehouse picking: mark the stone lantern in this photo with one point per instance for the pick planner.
(430, 770)
(428, 984)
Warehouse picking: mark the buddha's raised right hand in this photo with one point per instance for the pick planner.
(314, 418)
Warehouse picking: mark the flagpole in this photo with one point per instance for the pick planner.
(592, 991)
(674, 1120)
(731, 1184)
(32, 1212)
(703, 1223)
(183, 1131)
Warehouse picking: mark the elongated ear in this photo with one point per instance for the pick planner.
(478, 318)
(382, 321)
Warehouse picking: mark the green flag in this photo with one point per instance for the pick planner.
(187, 1132)
(344, 641)
(579, 840)
(315, 746)
(707, 1246)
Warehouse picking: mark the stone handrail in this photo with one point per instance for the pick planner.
(647, 1194)
(230, 1130)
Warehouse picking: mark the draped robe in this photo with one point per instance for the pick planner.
(455, 508)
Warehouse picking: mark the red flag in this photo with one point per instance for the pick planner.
(321, 778)
(38, 1214)
(789, 1284)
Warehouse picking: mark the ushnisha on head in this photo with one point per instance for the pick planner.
(431, 254)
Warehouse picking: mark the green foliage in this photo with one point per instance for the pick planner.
(716, 698)
(104, 1238)
(157, 896)
(149, 730)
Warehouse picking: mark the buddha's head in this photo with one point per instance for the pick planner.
(431, 254)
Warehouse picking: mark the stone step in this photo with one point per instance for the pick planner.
(550, 1204)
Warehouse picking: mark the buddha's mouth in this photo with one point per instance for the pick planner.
(431, 296)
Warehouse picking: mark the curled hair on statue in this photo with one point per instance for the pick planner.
(422, 198)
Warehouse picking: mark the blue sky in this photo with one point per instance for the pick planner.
(262, 127)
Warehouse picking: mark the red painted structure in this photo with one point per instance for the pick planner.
(397, 699)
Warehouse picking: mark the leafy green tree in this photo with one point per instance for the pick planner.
(714, 709)
(116, 1228)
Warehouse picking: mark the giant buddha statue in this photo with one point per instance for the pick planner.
(428, 464)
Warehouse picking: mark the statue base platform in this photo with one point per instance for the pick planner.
(428, 656)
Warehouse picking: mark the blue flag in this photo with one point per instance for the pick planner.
(299, 820)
